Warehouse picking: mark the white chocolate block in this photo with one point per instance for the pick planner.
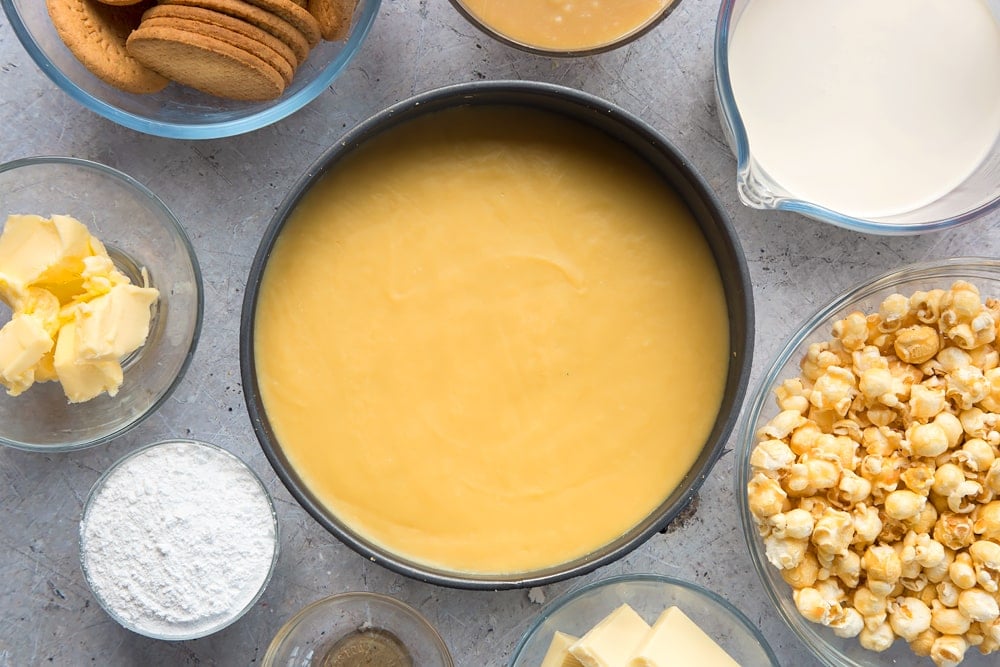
(677, 640)
(611, 642)
(558, 654)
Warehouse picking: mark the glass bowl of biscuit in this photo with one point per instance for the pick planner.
(100, 304)
(868, 468)
(192, 69)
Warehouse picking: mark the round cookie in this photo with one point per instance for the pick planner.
(293, 55)
(294, 14)
(333, 17)
(96, 33)
(206, 64)
(272, 57)
(263, 19)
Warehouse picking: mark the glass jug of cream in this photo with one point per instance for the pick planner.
(878, 116)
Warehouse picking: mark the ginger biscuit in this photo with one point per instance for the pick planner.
(227, 22)
(96, 34)
(261, 18)
(296, 54)
(120, 3)
(333, 17)
(206, 64)
(272, 57)
(294, 14)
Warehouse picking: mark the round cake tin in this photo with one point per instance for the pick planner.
(675, 169)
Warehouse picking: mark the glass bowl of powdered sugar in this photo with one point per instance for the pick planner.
(178, 540)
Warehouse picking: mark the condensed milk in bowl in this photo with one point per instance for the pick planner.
(497, 336)
(565, 27)
(882, 117)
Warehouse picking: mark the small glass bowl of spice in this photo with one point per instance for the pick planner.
(178, 540)
(358, 628)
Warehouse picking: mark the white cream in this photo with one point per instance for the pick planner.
(869, 108)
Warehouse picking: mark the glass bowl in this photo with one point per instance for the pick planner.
(708, 214)
(827, 647)
(178, 112)
(580, 609)
(506, 26)
(976, 196)
(190, 533)
(139, 233)
(305, 639)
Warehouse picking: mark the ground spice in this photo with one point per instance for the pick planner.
(369, 647)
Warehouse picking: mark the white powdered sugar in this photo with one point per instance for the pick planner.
(178, 540)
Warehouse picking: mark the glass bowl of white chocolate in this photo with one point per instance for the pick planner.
(641, 619)
(100, 303)
(869, 469)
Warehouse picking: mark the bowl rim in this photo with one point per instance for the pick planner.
(623, 40)
(174, 224)
(280, 109)
(350, 596)
(722, 239)
(762, 396)
(98, 486)
(573, 594)
(736, 133)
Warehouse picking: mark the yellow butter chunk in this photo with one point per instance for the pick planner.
(558, 654)
(612, 642)
(42, 305)
(113, 324)
(23, 343)
(75, 316)
(677, 640)
(45, 252)
(82, 379)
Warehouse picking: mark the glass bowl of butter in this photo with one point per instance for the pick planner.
(648, 619)
(358, 628)
(100, 303)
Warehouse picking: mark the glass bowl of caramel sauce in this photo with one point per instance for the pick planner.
(565, 28)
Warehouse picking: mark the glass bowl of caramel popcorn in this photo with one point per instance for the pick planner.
(869, 471)
(100, 303)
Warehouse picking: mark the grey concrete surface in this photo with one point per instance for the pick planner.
(224, 192)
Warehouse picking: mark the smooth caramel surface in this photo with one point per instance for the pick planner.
(565, 25)
(491, 340)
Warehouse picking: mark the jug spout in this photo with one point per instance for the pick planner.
(755, 187)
